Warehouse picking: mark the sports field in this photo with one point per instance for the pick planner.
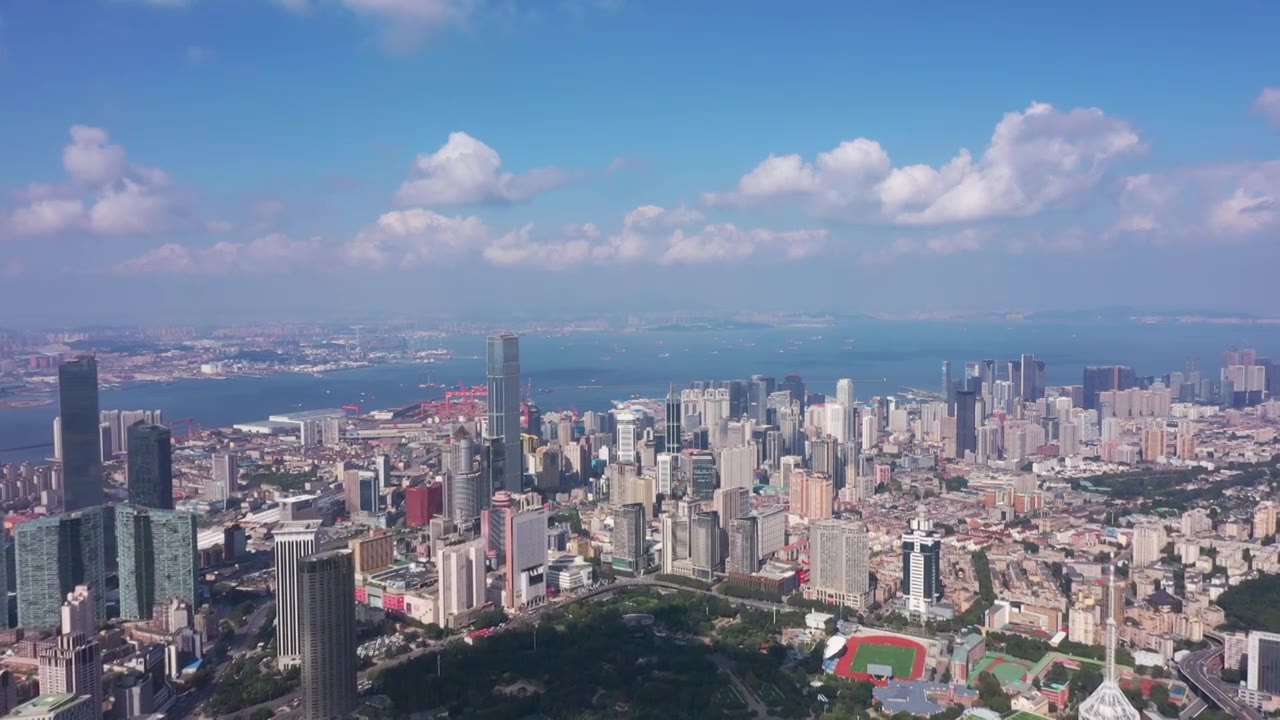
(1024, 715)
(1006, 668)
(906, 657)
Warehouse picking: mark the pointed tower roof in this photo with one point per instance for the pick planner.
(1108, 702)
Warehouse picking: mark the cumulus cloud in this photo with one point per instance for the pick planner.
(1234, 201)
(273, 253)
(408, 238)
(105, 193)
(1268, 103)
(1037, 158)
(520, 248)
(465, 171)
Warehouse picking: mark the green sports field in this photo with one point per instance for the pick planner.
(901, 659)
(1023, 715)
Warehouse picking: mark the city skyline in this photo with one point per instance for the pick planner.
(853, 146)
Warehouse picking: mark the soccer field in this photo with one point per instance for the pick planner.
(901, 659)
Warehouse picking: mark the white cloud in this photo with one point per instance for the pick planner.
(408, 238)
(47, 217)
(655, 217)
(1234, 201)
(106, 193)
(466, 171)
(1268, 103)
(91, 158)
(519, 248)
(1037, 158)
(273, 253)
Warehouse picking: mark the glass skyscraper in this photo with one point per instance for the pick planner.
(327, 621)
(150, 466)
(503, 373)
(157, 558)
(54, 554)
(81, 438)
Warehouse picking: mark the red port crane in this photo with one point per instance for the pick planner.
(355, 408)
(191, 428)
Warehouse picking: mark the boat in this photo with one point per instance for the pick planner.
(665, 355)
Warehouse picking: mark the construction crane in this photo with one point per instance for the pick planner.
(469, 397)
(355, 408)
(191, 428)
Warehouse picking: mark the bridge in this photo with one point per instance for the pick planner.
(1202, 671)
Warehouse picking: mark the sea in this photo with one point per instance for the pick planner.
(590, 371)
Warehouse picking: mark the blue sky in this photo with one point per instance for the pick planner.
(211, 158)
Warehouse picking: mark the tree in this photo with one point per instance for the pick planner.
(991, 694)
(433, 632)
(262, 713)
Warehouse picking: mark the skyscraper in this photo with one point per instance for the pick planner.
(53, 555)
(506, 468)
(526, 544)
(226, 476)
(1101, 379)
(465, 492)
(628, 428)
(704, 545)
(462, 579)
(629, 552)
(921, 565)
(744, 545)
(73, 664)
(81, 443)
(293, 541)
(966, 422)
(948, 387)
(761, 388)
(839, 564)
(672, 431)
(794, 385)
(327, 623)
(150, 466)
(156, 551)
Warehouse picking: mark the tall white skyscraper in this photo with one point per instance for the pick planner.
(72, 665)
(667, 468)
(628, 436)
(870, 433)
(738, 466)
(1148, 543)
(839, 563)
(462, 579)
(844, 392)
(293, 541)
(526, 541)
(921, 565)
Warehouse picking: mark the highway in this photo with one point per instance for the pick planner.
(1202, 670)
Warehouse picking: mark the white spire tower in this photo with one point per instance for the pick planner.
(1108, 702)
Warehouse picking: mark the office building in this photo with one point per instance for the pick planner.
(812, 495)
(82, 485)
(226, 477)
(1100, 379)
(731, 504)
(674, 542)
(1264, 662)
(628, 429)
(58, 706)
(760, 388)
(701, 473)
(293, 541)
(744, 545)
(966, 423)
(462, 579)
(668, 473)
(506, 461)
(526, 558)
(466, 492)
(738, 466)
(327, 622)
(839, 564)
(72, 664)
(157, 559)
(150, 466)
(629, 553)
(704, 545)
(672, 435)
(53, 555)
(423, 502)
(921, 566)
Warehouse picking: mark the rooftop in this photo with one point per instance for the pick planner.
(44, 704)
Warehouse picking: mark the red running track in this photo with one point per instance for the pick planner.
(844, 667)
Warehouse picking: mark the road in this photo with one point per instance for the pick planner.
(1202, 669)
(243, 641)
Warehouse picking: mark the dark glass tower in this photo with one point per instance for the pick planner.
(150, 466)
(761, 388)
(327, 621)
(503, 372)
(54, 554)
(81, 439)
(157, 559)
(672, 433)
(794, 385)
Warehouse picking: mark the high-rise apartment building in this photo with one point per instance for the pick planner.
(506, 467)
(629, 525)
(526, 556)
(293, 541)
(150, 466)
(78, 612)
(53, 555)
(1101, 379)
(72, 664)
(1148, 543)
(327, 624)
(82, 485)
(157, 559)
(1153, 443)
(1264, 520)
(921, 566)
(812, 495)
(839, 564)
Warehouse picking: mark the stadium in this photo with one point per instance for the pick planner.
(875, 658)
